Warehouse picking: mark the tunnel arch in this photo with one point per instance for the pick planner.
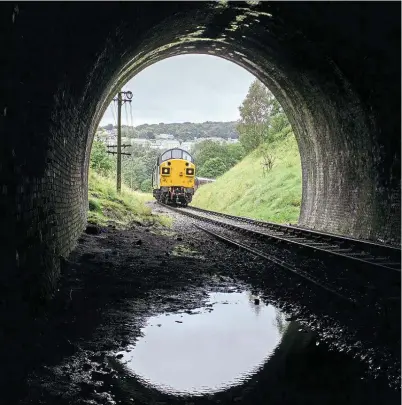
(335, 81)
(300, 89)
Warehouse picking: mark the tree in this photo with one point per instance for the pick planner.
(138, 167)
(278, 123)
(255, 114)
(187, 131)
(212, 168)
(206, 150)
(146, 186)
(100, 161)
(235, 153)
(128, 132)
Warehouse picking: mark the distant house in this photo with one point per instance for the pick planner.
(111, 131)
(169, 144)
(164, 136)
(110, 139)
(187, 146)
(140, 141)
(213, 139)
(164, 144)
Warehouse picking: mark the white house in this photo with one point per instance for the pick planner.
(140, 142)
(164, 136)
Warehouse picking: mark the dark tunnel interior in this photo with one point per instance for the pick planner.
(334, 67)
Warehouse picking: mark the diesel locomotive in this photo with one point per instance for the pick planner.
(173, 177)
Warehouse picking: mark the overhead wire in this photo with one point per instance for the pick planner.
(129, 119)
(112, 106)
(126, 113)
(132, 120)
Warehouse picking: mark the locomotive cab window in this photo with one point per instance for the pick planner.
(176, 154)
(187, 157)
(167, 155)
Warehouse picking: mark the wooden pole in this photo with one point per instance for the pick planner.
(119, 103)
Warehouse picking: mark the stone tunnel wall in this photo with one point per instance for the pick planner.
(334, 67)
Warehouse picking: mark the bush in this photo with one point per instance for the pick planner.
(227, 154)
(100, 161)
(94, 205)
(146, 186)
(213, 168)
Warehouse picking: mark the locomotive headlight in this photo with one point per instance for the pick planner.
(190, 172)
(165, 170)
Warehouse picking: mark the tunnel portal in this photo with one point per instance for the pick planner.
(334, 67)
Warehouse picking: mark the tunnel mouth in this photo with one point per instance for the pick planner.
(327, 117)
(332, 68)
(282, 139)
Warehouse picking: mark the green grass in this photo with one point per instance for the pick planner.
(106, 206)
(245, 191)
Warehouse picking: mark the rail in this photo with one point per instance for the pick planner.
(360, 251)
(275, 260)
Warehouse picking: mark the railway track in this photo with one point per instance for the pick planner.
(277, 261)
(366, 253)
(358, 262)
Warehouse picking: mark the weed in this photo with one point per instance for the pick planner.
(105, 205)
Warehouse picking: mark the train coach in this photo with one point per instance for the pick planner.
(173, 177)
(199, 181)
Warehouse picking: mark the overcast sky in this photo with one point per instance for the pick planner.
(194, 88)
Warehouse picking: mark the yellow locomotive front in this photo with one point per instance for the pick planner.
(173, 177)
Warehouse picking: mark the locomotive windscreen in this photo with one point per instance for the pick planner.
(175, 154)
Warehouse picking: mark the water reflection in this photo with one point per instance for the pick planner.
(280, 322)
(213, 348)
(251, 299)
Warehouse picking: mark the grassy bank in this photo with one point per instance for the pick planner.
(246, 191)
(106, 206)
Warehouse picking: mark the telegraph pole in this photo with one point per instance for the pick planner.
(120, 101)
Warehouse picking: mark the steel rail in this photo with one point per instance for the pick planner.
(391, 261)
(281, 238)
(272, 259)
(388, 250)
(298, 229)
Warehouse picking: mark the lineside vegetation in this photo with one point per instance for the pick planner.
(267, 183)
(107, 207)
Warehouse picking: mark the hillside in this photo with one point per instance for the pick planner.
(184, 131)
(245, 191)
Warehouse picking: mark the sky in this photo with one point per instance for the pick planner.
(193, 88)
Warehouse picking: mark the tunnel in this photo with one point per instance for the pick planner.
(334, 67)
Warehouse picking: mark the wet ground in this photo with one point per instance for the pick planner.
(209, 349)
(158, 316)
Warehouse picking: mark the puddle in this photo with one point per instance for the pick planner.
(209, 349)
